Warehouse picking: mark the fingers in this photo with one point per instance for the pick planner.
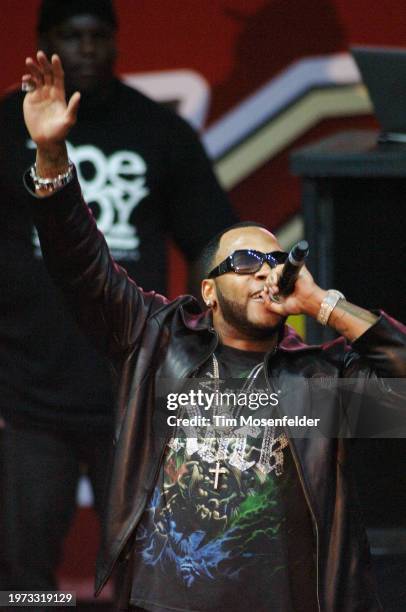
(271, 288)
(271, 304)
(35, 72)
(47, 71)
(44, 72)
(276, 308)
(73, 106)
(270, 296)
(57, 71)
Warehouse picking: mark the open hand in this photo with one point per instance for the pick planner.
(47, 115)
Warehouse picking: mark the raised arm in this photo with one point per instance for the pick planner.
(109, 307)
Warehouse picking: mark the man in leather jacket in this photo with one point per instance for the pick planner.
(178, 548)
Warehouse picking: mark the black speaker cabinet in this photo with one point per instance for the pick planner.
(354, 208)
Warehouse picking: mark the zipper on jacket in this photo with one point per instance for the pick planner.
(304, 489)
(139, 514)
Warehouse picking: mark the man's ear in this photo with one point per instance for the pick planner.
(209, 292)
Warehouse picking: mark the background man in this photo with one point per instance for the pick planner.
(278, 534)
(146, 177)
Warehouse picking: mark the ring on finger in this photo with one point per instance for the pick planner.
(27, 86)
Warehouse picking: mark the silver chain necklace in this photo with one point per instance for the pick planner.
(250, 378)
(272, 445)
(271, 455)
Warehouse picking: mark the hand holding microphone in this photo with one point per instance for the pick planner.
(295, 292)
(291, 270)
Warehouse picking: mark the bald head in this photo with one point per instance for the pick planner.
(209, 254)
(248, 237)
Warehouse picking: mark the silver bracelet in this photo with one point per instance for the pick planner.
(328, 304)
(51, 184)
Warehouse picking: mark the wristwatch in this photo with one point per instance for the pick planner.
(51, 184)
(328, 304)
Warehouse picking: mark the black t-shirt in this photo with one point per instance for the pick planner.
(243, 543)
(145, 175)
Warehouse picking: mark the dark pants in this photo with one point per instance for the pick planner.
(39, 472)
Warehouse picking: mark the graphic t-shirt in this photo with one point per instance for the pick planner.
(243, 542)
(145, 176)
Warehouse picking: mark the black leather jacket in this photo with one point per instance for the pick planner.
(147, 336)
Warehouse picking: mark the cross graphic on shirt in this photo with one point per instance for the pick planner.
(217, 471)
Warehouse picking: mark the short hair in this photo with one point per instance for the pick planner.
(53, 12)
(208, 253)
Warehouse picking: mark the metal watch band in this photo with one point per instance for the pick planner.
(328, 304)
(51, 184)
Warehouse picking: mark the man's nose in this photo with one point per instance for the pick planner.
(87, 44)
(264, 271)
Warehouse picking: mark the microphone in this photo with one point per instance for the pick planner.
(292, 267)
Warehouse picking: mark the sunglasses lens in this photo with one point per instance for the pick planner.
(247, 262)
(279, 257)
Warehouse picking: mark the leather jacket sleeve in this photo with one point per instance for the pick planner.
(382, 347)
(376, 367)
(106, 303)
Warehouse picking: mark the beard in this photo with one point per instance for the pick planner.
(236, 315)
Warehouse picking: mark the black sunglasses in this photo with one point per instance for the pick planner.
(248, 261)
